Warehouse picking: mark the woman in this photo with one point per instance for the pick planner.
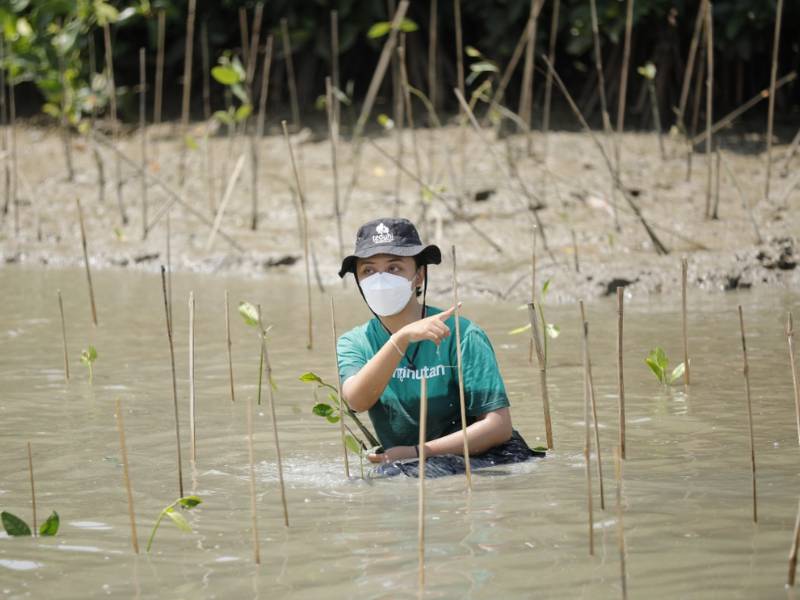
(382, 361)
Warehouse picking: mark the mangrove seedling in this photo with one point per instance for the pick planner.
(16, 527)
(552, 331)
(187, 502)
(249, 313)
(88, 357)
(659, 364)
(332, 413)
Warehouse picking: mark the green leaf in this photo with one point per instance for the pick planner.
(322, 410)
(352, 444)
(191, 143)
(472, 52)
(385, 122)
(179, 520)
(50, 526)
(310, 376)
(190, 502)
(483, 67)
(13, 525)
(552, 330)
(677, 373)
(545, 287)
(519, 330)
(249, 313)
(540, 449)
(648, 71)
(379, 29)
(223, 117)
(51, 109)
(225, 75)
(407, 26)
(244, 111)
(89, 355)
(240, 93)
(655, 368)
(332, 419)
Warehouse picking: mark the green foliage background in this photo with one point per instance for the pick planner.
(47, 45)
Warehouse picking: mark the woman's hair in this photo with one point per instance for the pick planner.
(419, 262)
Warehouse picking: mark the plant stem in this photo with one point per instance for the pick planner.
(746, 372)
(174, 384)
(459, 364)
(685, 322)
(793, 366)
(338, 379)
(86, 262)
(229, 344)
(33, 489)
(541, 357)
(63, 335)
(126, 475)
(620, 377)
(423, 420)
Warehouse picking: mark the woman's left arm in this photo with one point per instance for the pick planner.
(490, 430)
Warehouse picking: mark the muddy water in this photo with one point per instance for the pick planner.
(521, 533)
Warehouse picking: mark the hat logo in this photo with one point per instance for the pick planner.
(382, 235)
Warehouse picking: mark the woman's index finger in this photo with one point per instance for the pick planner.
(443, 316)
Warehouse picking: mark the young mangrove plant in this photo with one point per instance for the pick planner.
(187, 502)
(88, 357)
(332, 413)
(659, 364)
(249, 313)
(552, 331)
(16, 527)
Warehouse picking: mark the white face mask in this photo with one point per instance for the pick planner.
(386, 294)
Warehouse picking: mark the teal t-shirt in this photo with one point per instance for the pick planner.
(396, 414)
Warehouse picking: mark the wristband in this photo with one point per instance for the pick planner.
(396, 347)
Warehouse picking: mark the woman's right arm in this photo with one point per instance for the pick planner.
(363, 389)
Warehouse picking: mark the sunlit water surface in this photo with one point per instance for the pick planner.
(522, 532)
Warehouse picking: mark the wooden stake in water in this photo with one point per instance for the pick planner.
(174, 384)
(86, 261)
(542, 360)
(192, 406)
(33, 489)
(423, 423)
(342, 409)
(593, 401)
(63, 335)
(623, 572)
(793, 366)
(459, 364)
(746, 372)
(620, 377)
(228, 336)
(587, 439)
(533, 285)
(126, 476)
(252, 468)
(772, 76)
(685, 323)
(793, 551)
(271, 396)
(301, 205)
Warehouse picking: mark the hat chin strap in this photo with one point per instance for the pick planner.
(424, 299)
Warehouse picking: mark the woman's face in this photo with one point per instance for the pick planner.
(403, 266)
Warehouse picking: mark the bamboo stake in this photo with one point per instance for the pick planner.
(620, 377)
(255, 138)
(715, 211)
(159, 91)
(12, 107)
(533, 285)
(423, 423)
(237, 170)
(793, 366)
(709, 100)
(86, 261)
(4, 142)
(459, 364)
(169, 264)
(575, 251)
(63, 335)
(687, 377)
(187, 90)
(174, 384)
(690, 61)
(793, 551)
(33, 490)
(114, 121)
(372, 92)
(301, 206)
(339, 389)
(192, 404)
(771, 110)
(228, 344)
(335, 63)
(746, 371)
(623, 572)
(432, 35)
(126, 476)
(252, 469)
(593, 401)
(659, 246)
(542, 360)
(143, 134)
(739, 111)
(271, 397)
(333, 134)
(587, 438)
